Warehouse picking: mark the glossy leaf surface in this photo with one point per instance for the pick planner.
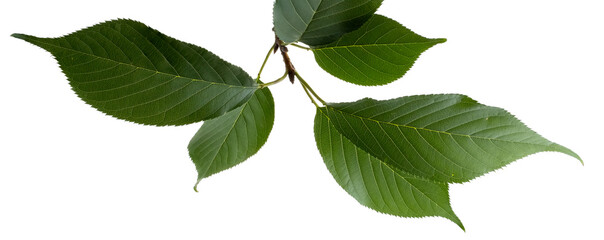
(133, 72)
(375, 184)
(317, 22)
(379, 52)
(446, 138)
(230, 139)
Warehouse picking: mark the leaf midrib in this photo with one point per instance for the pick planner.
(381, 162)
(139, 67)
(415, 187)
(226, 137)
(437, 131)
(314, 13)
(375, 45)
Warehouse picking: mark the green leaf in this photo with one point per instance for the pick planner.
(446, 138)
(378, 53)
(373, 183)
(230, 139)
(317, 22)
(133, 72)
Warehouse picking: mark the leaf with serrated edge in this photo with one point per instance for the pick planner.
(133, 72)
(317, 22)
(378, 53)
(446, 138)
(375, 184)
(230, 139)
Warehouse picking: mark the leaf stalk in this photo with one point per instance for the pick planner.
(268, 55)
(309, 95)
(300, 46)
(307, 87)
(268, 84)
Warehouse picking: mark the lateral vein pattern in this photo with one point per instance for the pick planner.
(133, 72)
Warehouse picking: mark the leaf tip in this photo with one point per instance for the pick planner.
(460, 225)
(24, 37)
(453, 218)
(196, 184)
(580, 160)
(440, 40)
(559, 148)
(19, 35)
(577, 157)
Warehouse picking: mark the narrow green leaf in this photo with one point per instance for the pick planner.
(133, 72)
(374, 183)
(378, 53)
(446, 138)
(317, 22)
(230, 139)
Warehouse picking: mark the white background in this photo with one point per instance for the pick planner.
(69, 172)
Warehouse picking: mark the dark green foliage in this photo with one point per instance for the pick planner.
(376, 184)
(230, 139)
(133, 72)
(445, 138)
(395, 156)
(318, 22)
(378, 53)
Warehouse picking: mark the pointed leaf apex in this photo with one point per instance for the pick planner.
(22, 36)
(474, 129)
(378, 53)
(114, 73)
(562, 149)
(196, 184)
(573, 154)
(457, 221)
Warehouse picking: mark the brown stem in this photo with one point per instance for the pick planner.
(289, 66)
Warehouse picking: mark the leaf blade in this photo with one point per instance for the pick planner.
(317, 22)
(232, 138)
(446, 138)
(379, 52)
(133, 72)
(374, 183)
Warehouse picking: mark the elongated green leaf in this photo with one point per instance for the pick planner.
(374, 183)
(378, 53)
(230, 139)
(447, 138)
(133, 72)
(317, 22)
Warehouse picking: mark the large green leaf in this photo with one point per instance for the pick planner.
(374, 183)
(133, 72)
(230, 139)
(447, 138)
(317, 22)
(378, 53)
